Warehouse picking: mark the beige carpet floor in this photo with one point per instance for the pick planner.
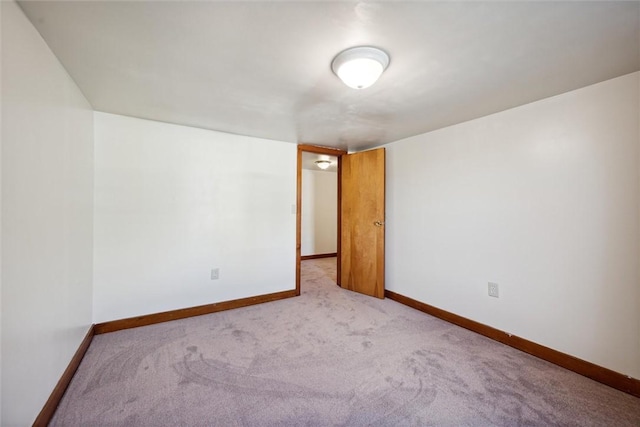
(328, 357)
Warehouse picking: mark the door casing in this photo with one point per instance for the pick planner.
(318, 150)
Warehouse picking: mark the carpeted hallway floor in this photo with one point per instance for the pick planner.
(328, 357)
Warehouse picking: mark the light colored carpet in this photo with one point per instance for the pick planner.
(328, 357)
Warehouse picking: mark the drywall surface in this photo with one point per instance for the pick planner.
(47, 199)
(0, 219)
(542, 199)
(174, 202)
(319, 212)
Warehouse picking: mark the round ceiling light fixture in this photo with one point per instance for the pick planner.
(360, 67)
(323, 164)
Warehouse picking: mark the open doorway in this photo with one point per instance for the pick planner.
(361, 218)
(319, 206)
(318, 213)
(319, 223)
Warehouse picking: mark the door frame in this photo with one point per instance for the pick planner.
(317, 150)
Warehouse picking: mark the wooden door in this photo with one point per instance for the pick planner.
(362, 215)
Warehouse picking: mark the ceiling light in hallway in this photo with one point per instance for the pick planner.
(323, 164)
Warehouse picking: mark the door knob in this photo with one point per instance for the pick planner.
(378, 223)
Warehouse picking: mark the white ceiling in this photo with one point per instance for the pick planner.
(263, 68)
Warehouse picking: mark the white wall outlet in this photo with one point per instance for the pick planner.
(493, 290)
(215, 273)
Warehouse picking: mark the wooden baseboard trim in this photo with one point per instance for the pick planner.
(150, 319)
(598, 373)
(49, 408)
(331, 255)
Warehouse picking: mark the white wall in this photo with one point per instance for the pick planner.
(542, 199)
(319, 212)
(47, 157)
(0, 216)
(173, 202)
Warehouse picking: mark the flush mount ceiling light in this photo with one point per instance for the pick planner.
(323, 164)
(360, 67)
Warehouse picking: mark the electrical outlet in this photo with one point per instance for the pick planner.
(215, 273)
(493, 290)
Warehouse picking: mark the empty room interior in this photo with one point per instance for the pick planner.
(319, 213)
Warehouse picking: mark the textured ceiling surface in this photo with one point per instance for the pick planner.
(264, 68)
